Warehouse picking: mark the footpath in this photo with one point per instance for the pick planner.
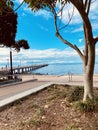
(13, 92)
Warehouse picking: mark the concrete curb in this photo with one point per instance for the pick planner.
(15, 83)
(16, 97)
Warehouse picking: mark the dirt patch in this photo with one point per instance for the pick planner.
(47, 110)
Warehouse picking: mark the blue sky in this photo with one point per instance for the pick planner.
(38, 29)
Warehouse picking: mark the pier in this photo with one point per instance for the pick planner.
(21, 69)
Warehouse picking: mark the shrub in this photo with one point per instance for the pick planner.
(96, 98)
(75, 94)
(88, 106)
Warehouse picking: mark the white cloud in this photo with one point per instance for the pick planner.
(79, 29)
(41, 56)
(43, 28)
(49, 56)
(23, 14)
(80, 40)
(52, 55)
(70, 10)
(94, 6)
(26, 9)
(76, 19)
(43, 13)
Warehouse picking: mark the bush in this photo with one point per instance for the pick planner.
(88, 106)
(96, 98)
(75, 94)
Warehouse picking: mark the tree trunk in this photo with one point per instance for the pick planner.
(88, 73)
(88, 86)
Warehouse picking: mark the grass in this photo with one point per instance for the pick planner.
(35, 118)
(88, 106)
(71, 128)
(56, 93)
(75, 93)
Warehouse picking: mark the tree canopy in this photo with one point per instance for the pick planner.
(38, 4)
(21, 44)
(8, 26)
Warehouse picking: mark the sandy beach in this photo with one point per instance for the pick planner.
(63, 79)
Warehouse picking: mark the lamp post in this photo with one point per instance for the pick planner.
(11, 68)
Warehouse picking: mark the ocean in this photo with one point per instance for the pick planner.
(63, 69)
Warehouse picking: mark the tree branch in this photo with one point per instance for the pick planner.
(96, 39)
(70, 45)
(85, 4)
(70, 18)
(88, 6)
(86, 20)
(79, 52)
(19, 5)
(62, 39)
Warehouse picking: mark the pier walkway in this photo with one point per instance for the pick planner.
(21, 69)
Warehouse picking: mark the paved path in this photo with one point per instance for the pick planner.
(11, 90)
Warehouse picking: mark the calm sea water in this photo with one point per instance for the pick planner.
(63, 69)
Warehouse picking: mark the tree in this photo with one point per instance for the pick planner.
(21, 44)
(8, 28)
(88, 55)
(8, 25)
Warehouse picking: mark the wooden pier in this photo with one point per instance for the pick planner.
(21, 69)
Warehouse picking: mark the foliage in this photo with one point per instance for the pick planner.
(6, 6)
(88, 106)
(8, 25)
(41, 4)
(75, 93)
(56, 92)
(21, 44)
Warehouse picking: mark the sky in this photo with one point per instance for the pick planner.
(38, 29)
